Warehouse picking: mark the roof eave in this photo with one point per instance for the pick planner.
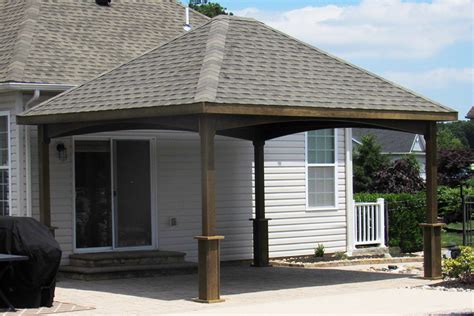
(26, 86)
(235, 109)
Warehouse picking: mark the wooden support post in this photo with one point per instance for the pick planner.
(431, 229)
(44, 181)
(260, 223)
(208, 243)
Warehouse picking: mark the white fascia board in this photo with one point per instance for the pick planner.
(21, 86)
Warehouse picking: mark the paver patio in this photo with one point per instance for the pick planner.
(267, 290)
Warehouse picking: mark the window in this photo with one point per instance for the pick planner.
(4, 166)
(321, 168)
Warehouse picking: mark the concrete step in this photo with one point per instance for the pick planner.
(126, 258)
(125, 271)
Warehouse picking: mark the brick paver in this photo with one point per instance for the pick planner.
(247, 289)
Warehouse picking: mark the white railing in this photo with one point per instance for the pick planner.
(369, 223)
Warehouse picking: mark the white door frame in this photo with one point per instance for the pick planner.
(153, 189)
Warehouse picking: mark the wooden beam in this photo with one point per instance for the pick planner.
(204, 108)
(208, 243)
(431, 229)
(327, 112)
(260, 223)
(44, 176)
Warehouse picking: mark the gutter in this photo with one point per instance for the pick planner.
(21, 86)
(36, 88)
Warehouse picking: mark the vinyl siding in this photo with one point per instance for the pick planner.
(294, 230)
(12, 102)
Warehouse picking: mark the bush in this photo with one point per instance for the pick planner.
(401, 176)
(454, 166)
(405, 213)
(449, 203)
(461, 268)
(319, 251)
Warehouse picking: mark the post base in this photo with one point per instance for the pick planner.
(260, 242)
(198, 300)
(432, 250)
(209, 268)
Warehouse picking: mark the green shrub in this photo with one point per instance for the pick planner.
(449, 203)
(461, 268)
(405, 213)
(340, 255)
(319, 251)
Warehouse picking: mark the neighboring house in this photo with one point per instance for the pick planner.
(51, 46)
(395, 144)
(470, 114)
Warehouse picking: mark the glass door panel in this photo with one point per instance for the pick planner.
(133, 227)
(93, 194)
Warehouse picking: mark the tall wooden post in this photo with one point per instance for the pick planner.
(431, 229)
(208, 243)
(260, 223)
(44, 181)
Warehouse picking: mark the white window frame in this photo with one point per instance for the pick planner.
(334, 165)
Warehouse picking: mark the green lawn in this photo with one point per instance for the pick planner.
(458, 226)
(450, 239)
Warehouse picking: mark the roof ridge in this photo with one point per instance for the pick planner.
(359, 68)
(21, 50)
(206, 89)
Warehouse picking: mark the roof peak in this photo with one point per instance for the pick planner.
(208, 82)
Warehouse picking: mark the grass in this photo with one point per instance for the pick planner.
(458, 226)
(450, 239)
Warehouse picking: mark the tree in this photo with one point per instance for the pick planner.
(462, 130)
(447, 140)
(367, 161)
(454, 166)
(402, 176)
(210, 9)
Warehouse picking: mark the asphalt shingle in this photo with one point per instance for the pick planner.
(237, 61)
(390, 141)
(72, 41)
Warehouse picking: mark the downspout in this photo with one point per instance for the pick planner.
(349, 193)
(29, 198)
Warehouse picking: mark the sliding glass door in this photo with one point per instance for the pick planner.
(93, 194)
(132, 193)
(113, 194)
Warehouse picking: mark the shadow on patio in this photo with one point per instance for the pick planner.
(235, 280)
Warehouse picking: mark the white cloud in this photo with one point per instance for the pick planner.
(434, 78)
(377, 28)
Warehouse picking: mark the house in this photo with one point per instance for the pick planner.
(470, 114)
(200, 134)
(50, 62)
(395, 144)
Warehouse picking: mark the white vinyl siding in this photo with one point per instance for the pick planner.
(321, 167)
(292, 231)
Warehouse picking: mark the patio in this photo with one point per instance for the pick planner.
(246, 81)
(270, 290)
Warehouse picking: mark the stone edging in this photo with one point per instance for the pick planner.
(342, 263)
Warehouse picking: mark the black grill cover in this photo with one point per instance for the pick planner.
(29, 284)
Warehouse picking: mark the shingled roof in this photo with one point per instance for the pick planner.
(470, 114)
(71, 41)
(390, 141)
(231, 65)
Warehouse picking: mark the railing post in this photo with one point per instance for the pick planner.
(381, 221)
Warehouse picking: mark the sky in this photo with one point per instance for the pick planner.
(426, 46)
